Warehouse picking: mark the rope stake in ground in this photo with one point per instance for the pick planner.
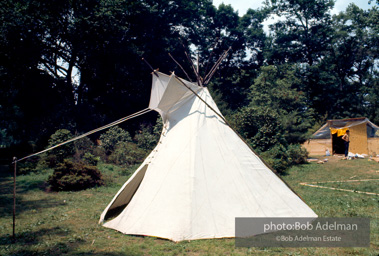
(144, 111)
(312, 184)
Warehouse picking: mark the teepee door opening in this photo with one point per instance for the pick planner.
(124, 198)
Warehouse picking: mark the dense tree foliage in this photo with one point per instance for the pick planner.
(77, 65)
(304, 34)
(275, 94)
(337, 55)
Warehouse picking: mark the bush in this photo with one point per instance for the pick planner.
(148, 136)
(297, 154)
(100, 153)
(64, 151)
(260, 126)
(112, 137)
(145, 138)
(90, 159)
(281, 158)
(127, 153)
(83, 146)
(31, 165)
(70, 176)
(277, 157)
(84, 151)
(26, 168)
(50, 160)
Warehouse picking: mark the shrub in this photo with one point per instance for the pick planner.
(42, 165)
(70, 176)
(281, 158)
(31, 165)
(145, 138)
(277, 157)
(127, 153)
(84, 149)
(100, 153)
(158, 127)
(26, 167)
(260, 126)
(112, 137)
(148, 136)
(83, 146)
(49, 160)
(297, 154)
(90, 159)
(64, 151)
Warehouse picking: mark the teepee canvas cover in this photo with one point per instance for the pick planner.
(200, 176)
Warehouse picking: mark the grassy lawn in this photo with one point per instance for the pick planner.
(66, 223)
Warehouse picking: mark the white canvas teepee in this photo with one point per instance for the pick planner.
(200, 177)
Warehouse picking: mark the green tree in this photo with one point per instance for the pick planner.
(277, 118)
(303, 38)
(354, 52)
(336, 56)
(276, 88)
(304, 34)
(235, 74)
(77, 64)
(344, 81)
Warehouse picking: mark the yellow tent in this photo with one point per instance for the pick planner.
(364, 137)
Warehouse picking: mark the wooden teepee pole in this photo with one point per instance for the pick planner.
(198, 77)
(199, 80)
(210, 55)
(147, 63)
(214, 68)
(180, 66)
(197, 95)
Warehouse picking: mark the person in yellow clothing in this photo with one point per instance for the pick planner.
(346, 138)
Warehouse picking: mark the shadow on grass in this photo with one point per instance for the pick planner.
(23, 186)
(33, 237)
(27, 242)
(34, 243)
(21, 205)
(107, 253)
